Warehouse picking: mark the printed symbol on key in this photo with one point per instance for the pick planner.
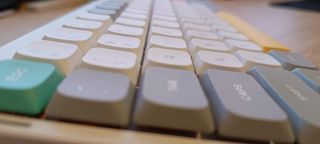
(243, 94)
(170, 57)
(172, 85)
(16, 75)
(297, 93)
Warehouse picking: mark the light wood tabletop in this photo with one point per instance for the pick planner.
(299, 30)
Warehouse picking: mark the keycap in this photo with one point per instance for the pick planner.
(168, 58)
(196, 45)
(136, 11)
(109, 6)
(190, 20)
(250, 59)
(167, 42)
(164, 18)
(191, 26)
(165, 24)
(204, 60)
(130, 22)
(118, 42)
(64, 56)
(190, 34)
(156, 30)
(260, 38)
(310, 77)
(243, 45)
(105, 19)
(26, 87)
(134, 16)
(111, 13)
(240, 103)
(82, 38)
(227, 28)
(109, 60)
(291, 61)
(93, 96)
(172, 99)
(126, 31)
(95, 27)
(231, 35)
(298, 100)
(164, 13)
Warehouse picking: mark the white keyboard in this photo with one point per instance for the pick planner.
(155, 72)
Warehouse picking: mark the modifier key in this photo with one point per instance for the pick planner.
(243, 109)
(299, 101)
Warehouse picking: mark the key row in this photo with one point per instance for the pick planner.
(271, 107)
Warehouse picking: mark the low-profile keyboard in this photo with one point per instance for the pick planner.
(155, 71)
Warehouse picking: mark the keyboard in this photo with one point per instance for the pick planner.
(155, 72)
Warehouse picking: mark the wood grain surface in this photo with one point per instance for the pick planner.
(297, 29)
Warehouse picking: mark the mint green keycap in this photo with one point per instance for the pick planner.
(26, 87)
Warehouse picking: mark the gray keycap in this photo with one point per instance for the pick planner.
(93, 96)
(243, 109)
(299, 101)
(109, 7)
(172, 99)
(291, 61)
(310, 77)
(111, 13)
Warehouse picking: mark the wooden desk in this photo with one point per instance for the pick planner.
(299, 30)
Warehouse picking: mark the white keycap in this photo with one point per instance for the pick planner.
(113, 61)
(82, 38)
(105, 19)
(168, 58)
(95, 27)
(165, 24)
(250, 59)
(216, 28)
(242, 45)
(126, 31)
(204, 60)
(136, 11)
(164, 18)
(211, 45)
(217, 21)
(155, 30)
(231, 35)
(189, 34)
(164, 13)
(134, 16)
(118, 42)
(187, 26)
(130, 22)
(138, 8)
(189, 20)
(63, 55)
(167, 42)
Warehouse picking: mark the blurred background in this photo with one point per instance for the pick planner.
(295, 23)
